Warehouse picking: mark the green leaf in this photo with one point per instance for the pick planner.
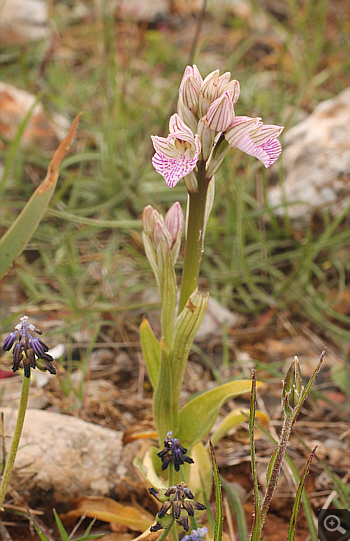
(168, 293)
(237, 507)
(270, 466)
(199, 415)
(186, 327)
(200, 477)
(63, 533)
(147, 468)
(293, 519)
(21, 231)
(151, 351)
(40, 534)
(235, 418)
(218, 498)
(163, 410)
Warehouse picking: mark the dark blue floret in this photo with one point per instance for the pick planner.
(174, 453)
(9, 341)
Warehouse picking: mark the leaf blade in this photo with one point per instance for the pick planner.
(19, 234)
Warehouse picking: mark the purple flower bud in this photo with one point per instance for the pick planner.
(9, 341)
(26, 367)
(39, 347)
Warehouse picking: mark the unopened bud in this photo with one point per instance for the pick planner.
(224, 79)
(190, 93)
(233, 90)
(174, 221)
(161, 235)
(148, 222)
(220, 114)
(208, 92)
(292, 388)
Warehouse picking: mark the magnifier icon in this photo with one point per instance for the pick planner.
(332, 524)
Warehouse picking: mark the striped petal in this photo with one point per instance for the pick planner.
(255, 139)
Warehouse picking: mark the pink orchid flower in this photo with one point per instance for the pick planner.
(255, 139)
(176, 155)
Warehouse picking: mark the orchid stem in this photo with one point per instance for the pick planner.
(195, 238)
(15, 440)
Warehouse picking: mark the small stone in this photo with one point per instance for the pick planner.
(63, 458)
(316, 159)
(23, 21)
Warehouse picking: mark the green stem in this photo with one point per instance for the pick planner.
(15, 440)
(195, 239)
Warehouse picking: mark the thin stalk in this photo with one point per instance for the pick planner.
(15, 440)
(195, 238)
(276, 470)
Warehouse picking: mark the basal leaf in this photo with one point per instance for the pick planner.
(199, 415)
(147, 468)
(21, 231)
(235, 418)
(200, 476)
(163, 411)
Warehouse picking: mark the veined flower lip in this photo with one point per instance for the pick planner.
(176, 155)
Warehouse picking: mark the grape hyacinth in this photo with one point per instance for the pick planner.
(173, 453)
(178, 502)
(28, 349)
(196, 535)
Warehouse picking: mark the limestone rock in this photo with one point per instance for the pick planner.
(62, 457)
(316, 159)
(23, 21)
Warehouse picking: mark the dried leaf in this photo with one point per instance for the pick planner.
(108, 510)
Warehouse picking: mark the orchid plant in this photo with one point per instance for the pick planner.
(201, 133)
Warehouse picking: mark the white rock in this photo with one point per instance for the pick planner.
(66, 457)
(22, 21)
(316, 159)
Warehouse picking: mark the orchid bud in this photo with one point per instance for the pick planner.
(174, 221)
(191, 72)
(208, 92)
(224, 79)
(220, 114)
(161, 235)
(148, 221)
(292, 389)
(190, 93)
(233, 90)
